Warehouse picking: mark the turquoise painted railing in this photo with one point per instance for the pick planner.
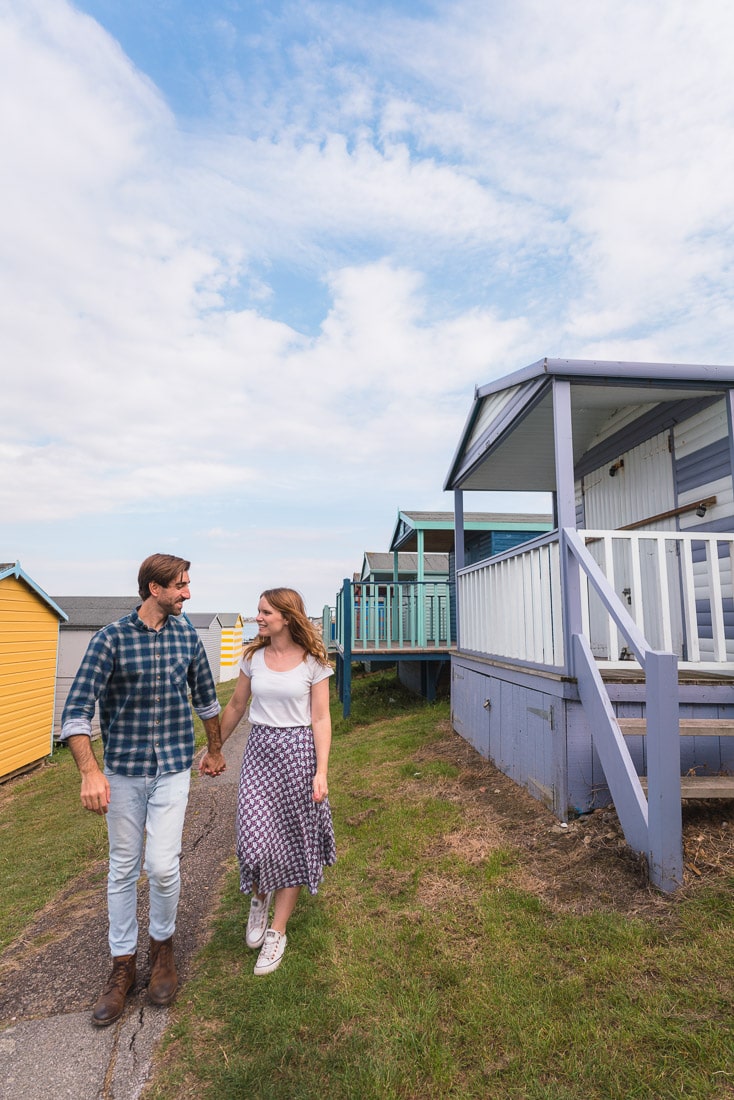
(328, 625)
(395, 615)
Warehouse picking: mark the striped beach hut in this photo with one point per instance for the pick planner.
(29, 640)
(233, 626)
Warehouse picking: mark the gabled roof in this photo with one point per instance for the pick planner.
(13, 569)
(203, 620)
(407, 564)
(511, 419)
(94, 612)
(230, 618)
(438, 527)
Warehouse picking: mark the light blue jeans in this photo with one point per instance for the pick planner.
(152, 809)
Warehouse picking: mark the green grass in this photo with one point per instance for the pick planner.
(46, 839)
(415, 973)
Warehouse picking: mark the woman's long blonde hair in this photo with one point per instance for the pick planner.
(303, 632)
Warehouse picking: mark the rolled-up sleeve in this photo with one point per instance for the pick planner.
(93, 675)
(201, 682)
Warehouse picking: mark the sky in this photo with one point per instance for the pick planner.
(256, 256)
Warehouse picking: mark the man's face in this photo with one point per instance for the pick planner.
(171, 599)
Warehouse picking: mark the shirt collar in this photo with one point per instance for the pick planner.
(138, 623)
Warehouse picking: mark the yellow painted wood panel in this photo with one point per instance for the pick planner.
(29, 632)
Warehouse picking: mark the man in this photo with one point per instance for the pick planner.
(141, 669)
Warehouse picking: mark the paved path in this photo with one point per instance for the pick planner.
(51, 977)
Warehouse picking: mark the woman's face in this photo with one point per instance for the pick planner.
(270, 621)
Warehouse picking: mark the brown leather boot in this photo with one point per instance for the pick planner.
(163, 977)
(112, 999)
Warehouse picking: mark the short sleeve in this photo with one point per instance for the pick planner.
(318, 671)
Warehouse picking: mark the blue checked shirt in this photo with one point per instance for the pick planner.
(142, 678)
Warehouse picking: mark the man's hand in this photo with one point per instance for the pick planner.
(95, 788)
(95, 792)
(212, 763)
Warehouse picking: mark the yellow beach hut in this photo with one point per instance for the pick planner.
(232, 632)
(29, 641)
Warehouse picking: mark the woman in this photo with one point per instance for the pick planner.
(285, 836)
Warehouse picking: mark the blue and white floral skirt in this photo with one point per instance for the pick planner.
(284, 838)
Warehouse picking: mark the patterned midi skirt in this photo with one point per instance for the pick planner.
(284, 838)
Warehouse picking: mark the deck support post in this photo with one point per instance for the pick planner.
(566, 508)
(459, 552)
(421, 588)
(348, 613)
(664, 816)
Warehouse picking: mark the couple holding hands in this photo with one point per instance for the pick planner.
(141, 670)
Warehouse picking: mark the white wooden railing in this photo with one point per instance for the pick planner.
(510, 606)
(678, 588)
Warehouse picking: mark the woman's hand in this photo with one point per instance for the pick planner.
(320, 787)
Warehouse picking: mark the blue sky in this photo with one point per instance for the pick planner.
(256, 256)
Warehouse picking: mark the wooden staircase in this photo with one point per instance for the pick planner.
(693, 786)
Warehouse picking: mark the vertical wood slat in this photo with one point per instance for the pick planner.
(689, 602)
(663, 590)
(717, 608)
(637, 601)
(615, 644)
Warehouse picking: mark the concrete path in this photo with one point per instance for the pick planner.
(51, 977)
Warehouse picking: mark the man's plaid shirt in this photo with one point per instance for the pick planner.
(142, 678)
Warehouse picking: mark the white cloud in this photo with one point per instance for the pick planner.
(523, 180)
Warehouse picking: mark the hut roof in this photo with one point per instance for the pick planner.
(512, 418)
(13, 569)
(438, 527)
(202, 620)
(94, 612)
(407, 563)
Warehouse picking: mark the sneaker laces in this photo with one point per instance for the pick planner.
(270, 945)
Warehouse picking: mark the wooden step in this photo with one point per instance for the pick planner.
(702, 786)
(689, 727)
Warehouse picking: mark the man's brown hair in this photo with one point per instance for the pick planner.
(162, 569)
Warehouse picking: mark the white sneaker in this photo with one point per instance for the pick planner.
(257, 921)
(271, 952)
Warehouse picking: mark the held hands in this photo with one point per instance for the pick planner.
(320, 787)
(212, 763)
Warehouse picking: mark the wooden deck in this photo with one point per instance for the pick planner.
(631, 673)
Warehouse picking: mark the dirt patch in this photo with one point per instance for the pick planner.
(584, 866)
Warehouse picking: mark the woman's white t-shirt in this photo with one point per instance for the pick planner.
(282, 699)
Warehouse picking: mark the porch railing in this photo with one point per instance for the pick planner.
(511, 606)
(677, 587)
(394, 615)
